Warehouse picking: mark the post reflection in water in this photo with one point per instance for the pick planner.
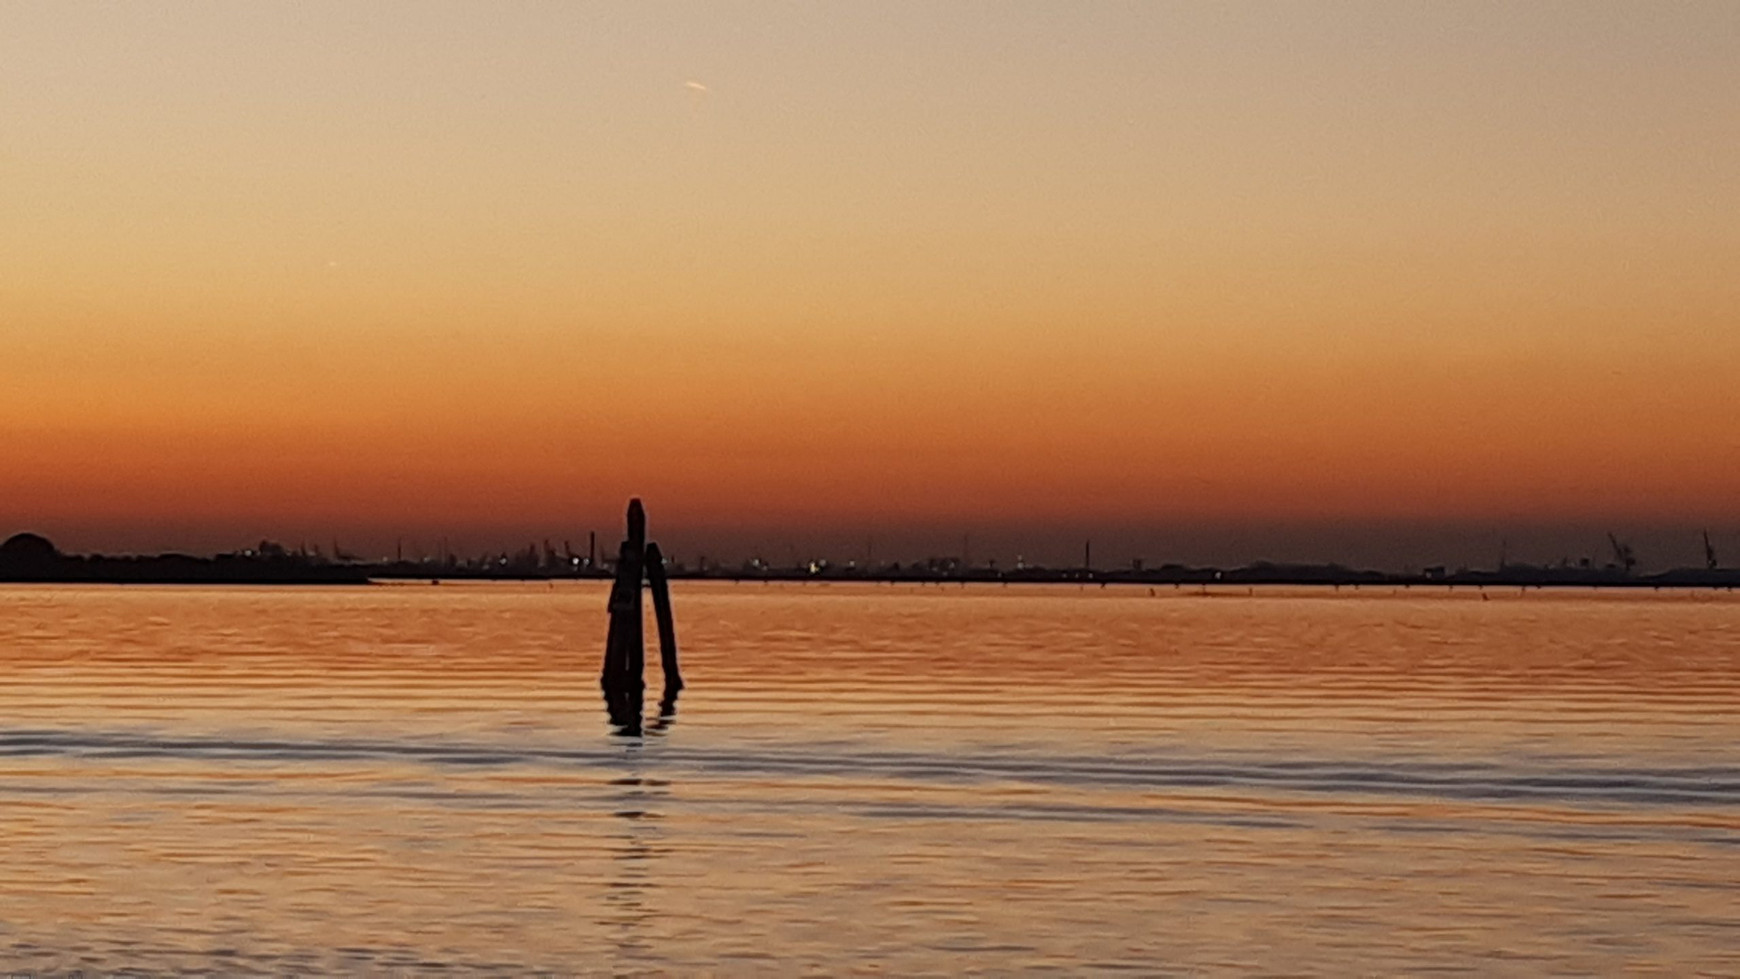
(630, 897)
(910, 780)
(633, 726)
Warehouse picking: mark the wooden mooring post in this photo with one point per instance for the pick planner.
(661, 597)
(623, 678)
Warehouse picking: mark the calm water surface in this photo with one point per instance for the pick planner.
(415, 779)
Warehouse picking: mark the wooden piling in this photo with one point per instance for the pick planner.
(637, 527)
(661, 598)
(623, 676)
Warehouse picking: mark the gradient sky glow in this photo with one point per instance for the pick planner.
(1372, 276)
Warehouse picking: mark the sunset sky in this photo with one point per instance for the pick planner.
(1384, 283)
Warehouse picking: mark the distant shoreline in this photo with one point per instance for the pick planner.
(28, 558)
(1205, 578)
(1716, 581)
(1332, 576)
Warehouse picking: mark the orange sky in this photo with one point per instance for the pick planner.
(470, 270)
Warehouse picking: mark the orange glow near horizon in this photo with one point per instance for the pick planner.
(439, 265)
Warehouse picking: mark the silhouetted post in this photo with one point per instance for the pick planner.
(637, 647)
(637, 525)
(624, 648)
(622, 682)
(661, 597)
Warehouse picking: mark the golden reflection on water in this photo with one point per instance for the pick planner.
(412, 778)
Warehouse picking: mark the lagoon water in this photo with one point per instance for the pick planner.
(416, 779)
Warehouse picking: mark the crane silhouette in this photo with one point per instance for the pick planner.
(1623, 556)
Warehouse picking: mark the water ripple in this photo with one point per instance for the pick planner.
(1699, 786)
